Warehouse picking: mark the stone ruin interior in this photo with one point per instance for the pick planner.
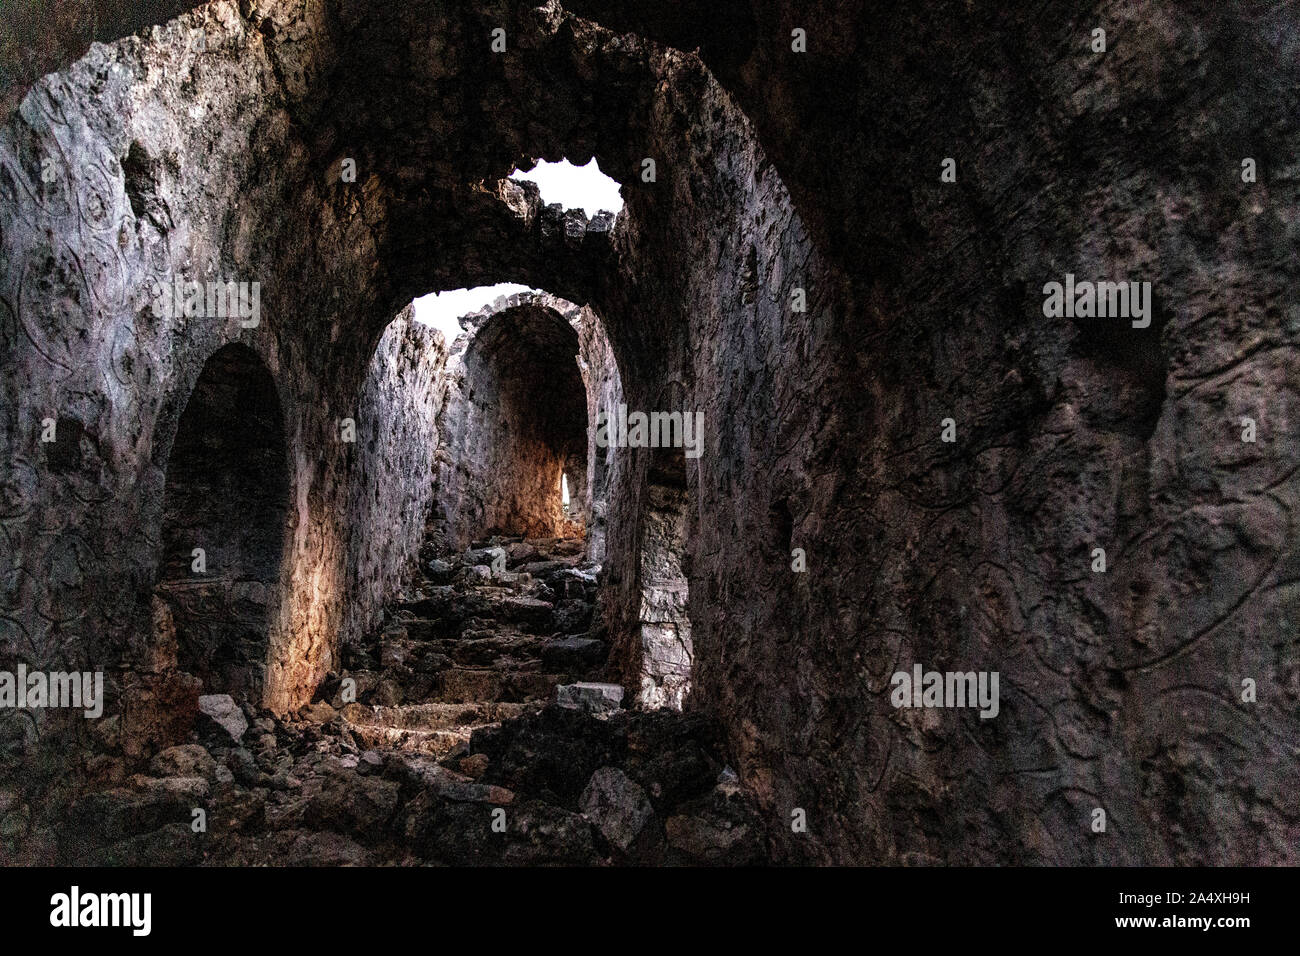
(364, 593)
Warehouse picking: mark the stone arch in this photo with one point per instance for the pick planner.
(516, 423)
(226, 494)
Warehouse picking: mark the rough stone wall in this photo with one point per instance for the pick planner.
(395, 469)
(666, 648)
(709, 311)
(151, 182)
(106, 185)
(604, 388)
(1120, 690)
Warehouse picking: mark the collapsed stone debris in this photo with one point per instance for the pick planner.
(323, 559)
(455, 716)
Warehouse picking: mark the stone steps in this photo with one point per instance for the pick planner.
(433, 715)
(435, 743)
(463, 651)
(433, 728)
(494, 684)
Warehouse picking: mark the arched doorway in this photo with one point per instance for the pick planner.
(517, 431)
(224, 509)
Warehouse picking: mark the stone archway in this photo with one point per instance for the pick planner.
(224, 513)
(517, 428)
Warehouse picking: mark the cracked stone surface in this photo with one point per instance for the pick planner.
(149, 157)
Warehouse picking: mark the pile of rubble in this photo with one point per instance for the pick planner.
(473, 728)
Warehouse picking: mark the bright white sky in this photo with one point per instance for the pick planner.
(443, 309)
(574, 187)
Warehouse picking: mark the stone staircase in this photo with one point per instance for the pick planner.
(480, 637)
(480, 735)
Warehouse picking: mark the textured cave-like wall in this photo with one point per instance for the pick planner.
(1119, 690)
(604, 387)
(709, 311)
(665, 647)
(395, 469)
(137, 195)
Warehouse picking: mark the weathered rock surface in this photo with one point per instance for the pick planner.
(222, 718)
(593, 698)
(617, 806)
(778, 173)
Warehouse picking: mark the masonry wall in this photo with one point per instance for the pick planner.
(397, 442)
(604, 389)
(141, 192)
(1121, 689)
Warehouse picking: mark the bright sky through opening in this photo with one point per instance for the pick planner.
(574, 187)
(443, 309)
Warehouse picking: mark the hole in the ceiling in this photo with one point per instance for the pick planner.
(574, 187)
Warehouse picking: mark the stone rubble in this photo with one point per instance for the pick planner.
(479, 734)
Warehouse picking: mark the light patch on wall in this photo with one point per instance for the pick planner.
(564, 490)
(574, 187)
(442, 310)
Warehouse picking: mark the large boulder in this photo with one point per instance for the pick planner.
(718, 830)
(354, 804)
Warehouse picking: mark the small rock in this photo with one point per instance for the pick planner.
(475, 793)
(324, 849)
(476, 575)
(594, 698)
(485, 556)
(320, 713)
(244, 766)
(187, 760)
(438, 571)
(353, 804)
(220, 716)
(617, 806)
(187, 790)
(475, 765)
